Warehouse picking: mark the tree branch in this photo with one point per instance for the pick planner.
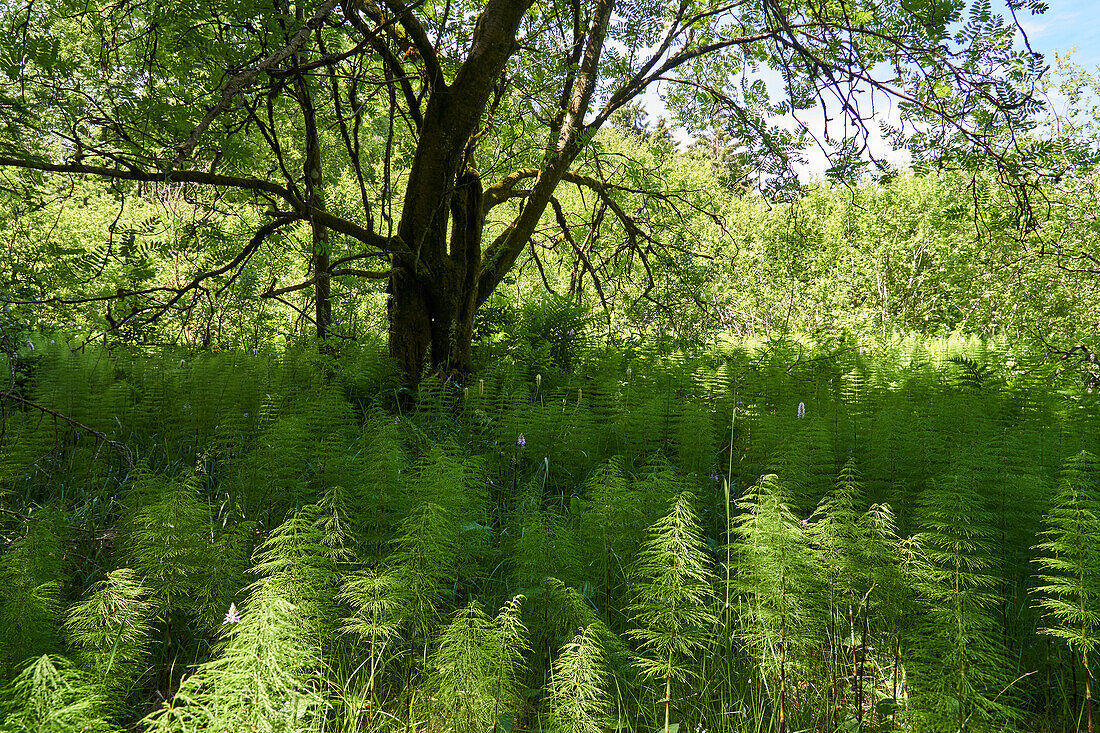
(397, 72)
(579, 250)
(253, 244)
(499, 192)
(419, 38)
(645, 76)
(337, 224)
(122, 448)
(369, 274)
(238, 83)
(581, 96)
(175, 176)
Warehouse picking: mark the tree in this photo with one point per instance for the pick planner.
(432, 138)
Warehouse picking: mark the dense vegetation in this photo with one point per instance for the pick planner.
(751, 539)
(433, 145)
(380, 367)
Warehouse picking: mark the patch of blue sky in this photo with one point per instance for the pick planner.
(1068, 27)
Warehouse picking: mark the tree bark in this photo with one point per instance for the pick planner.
(319, 255)
(433, 298)
(410, 320)
(433, 287)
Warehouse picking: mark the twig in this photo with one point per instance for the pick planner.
(122, 448)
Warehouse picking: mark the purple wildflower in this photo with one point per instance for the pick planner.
(233, 616)
(802, 409)
(521, 440)
(715, 477)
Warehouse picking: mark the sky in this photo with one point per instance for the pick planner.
(1068, 25)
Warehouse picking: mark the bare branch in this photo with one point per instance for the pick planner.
(254, 244)
(579, 250)
(122, 448)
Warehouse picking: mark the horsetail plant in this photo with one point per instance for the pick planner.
(673, 590)
(778, 581)
(1069, 590)
(51, 696)
(579, 701)
(961, 679)
(376, 600)
(264, 677)
(475, 668)
(110, 628)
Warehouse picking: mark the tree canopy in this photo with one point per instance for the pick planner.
(424, 145)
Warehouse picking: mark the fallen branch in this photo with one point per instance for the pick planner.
(121, 448)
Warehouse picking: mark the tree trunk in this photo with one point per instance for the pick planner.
(436, 286)
(433, 288)
(311, 170)
(433, 298)
(410, 322)
(430, 330)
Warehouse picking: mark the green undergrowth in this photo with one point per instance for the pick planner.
(761, 538)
